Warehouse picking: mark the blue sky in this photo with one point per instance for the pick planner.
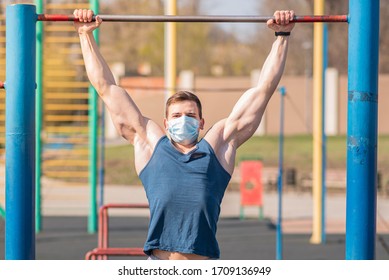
(239, 7)
(233, 7)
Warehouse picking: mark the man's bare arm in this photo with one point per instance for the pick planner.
(247, 113)
(127, 118)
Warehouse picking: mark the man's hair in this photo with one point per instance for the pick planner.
(184, 95)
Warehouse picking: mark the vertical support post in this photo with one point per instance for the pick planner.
(38, 117)
(2, 212)
(93, 125)
(362, 129)
(170, 49)
(318, 125)
(324, 141)
(20, 132)
(279, 252)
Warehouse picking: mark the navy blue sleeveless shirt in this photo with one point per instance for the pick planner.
(184, 193)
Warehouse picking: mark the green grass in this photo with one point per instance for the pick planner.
(120, 167)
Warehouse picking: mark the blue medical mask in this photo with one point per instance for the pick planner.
(184, 130)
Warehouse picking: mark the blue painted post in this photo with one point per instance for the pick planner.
(280, 176)
(20, 132)
(362, 129)
(324, 139)
(102, 158)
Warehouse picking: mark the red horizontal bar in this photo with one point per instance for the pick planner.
(123, 205)
(242, 19)
(114, 252)
(1, 84)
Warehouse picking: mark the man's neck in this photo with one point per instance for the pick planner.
(184, 148)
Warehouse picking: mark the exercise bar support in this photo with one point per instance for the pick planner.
(20, 132)
(362, 115)
(241, 19)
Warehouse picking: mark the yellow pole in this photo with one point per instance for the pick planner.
(317, 187)
(170, 49)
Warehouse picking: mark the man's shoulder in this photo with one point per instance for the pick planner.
(215, 135)
(214, 131)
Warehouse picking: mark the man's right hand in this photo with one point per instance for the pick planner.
(84, 24)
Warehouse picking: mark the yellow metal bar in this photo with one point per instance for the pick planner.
(67, 129)
(60, 62)
(59, 28)
(67, 96)
(60, 39)
(66, 6)
(64, 73)
(66, 174)
(317, 187)
(64, 51)
(62, 107)
(71, 140)
(57, 84)
(170, 49)
(67, 153)
(52, 118)
(67, 163)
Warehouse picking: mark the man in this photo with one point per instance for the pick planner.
(184, 179)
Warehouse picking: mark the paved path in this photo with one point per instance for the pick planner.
(297, 206)
(65, 236)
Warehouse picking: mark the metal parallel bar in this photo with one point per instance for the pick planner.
(103, 237)
(238, 19)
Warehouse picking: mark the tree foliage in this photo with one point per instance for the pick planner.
(202, 46)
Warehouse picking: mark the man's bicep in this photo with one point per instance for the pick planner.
(125, 115)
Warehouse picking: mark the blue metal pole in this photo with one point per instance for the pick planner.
(20, 132)
(279, 250)
(362, 129)
(324, 141)
(102, 158)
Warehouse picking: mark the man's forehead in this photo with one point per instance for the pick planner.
(187, 106)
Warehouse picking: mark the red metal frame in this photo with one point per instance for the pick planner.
(144, 18)
(103, 250)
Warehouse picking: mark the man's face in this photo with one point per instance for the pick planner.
(187, 108)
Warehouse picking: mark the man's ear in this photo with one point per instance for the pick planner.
(165, 123)
(201, 124)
